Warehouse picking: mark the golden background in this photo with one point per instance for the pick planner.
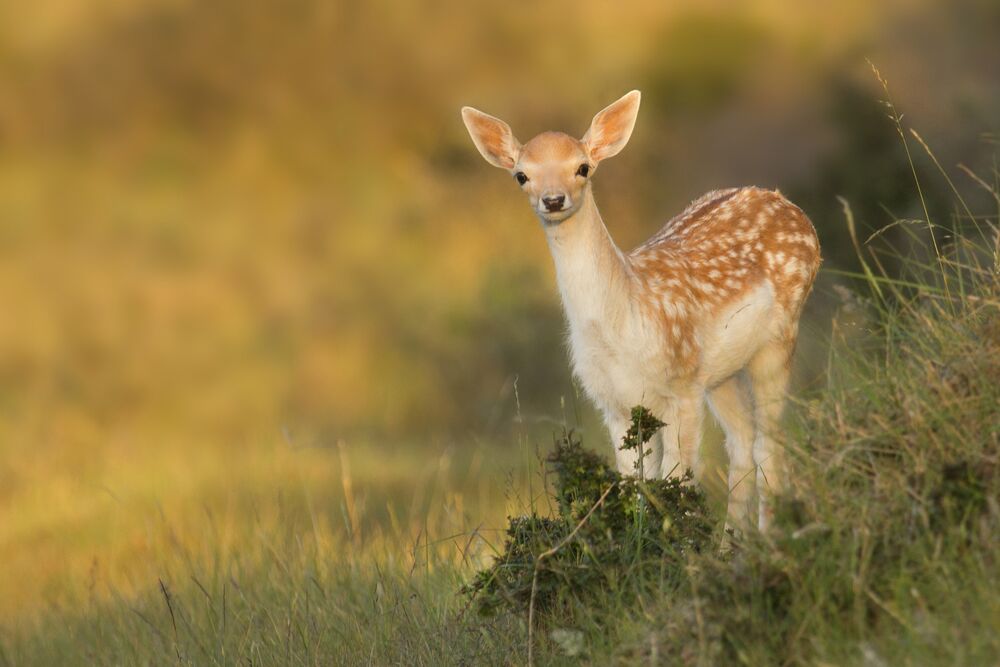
(251, 261)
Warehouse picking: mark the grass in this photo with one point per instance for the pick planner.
(249, 529)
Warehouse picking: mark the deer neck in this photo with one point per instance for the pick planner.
(592, 272)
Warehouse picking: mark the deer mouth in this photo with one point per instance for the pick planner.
(554, 218)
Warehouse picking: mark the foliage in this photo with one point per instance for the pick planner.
(612, 532)
(643, 426)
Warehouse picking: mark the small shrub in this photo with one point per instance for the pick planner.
(627, 531)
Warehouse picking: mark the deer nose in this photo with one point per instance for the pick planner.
(554, 203)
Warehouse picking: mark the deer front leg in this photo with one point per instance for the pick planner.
(626, 460)
(681, 437)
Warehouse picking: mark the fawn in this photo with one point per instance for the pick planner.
(705, 310)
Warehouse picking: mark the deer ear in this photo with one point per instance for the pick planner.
(492, 137)
(612, 127)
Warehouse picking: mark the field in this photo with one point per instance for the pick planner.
(280, 356)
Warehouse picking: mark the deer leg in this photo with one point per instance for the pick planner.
(732, 406)
(670, 457)
(681, 437)
(769, 373)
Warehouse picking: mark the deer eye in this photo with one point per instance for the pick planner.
(583, 170)
(521, 178)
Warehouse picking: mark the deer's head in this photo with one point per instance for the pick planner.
(554, 169)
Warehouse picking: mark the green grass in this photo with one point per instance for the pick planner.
(290, 606)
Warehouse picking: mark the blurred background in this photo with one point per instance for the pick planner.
(238, 240)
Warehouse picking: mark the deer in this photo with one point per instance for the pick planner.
(704, 312)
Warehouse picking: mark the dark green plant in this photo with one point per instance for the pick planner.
(627, 530)
(644, 425)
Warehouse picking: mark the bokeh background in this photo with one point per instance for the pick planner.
(246, 247)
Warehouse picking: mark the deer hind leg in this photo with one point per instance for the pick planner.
(681, 437)
(732, 406)
(769, 372)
